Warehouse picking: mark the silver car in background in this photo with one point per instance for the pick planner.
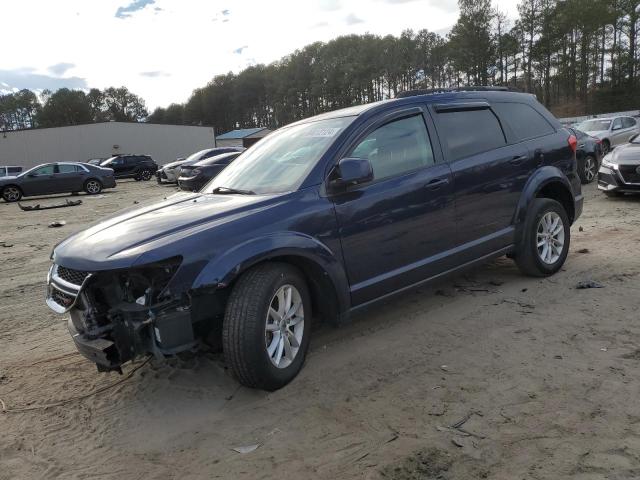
(613, 131)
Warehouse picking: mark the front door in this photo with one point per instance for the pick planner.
(40, 181)
(393, 228)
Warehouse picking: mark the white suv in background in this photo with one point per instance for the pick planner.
(612, 131)
(10, 171)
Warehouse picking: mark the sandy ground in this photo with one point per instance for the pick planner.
(548, 373)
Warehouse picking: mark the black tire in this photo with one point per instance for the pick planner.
(92, 186)
(588, 169)
(527, 256)
(244, 339)
(11, 193)
(606, 147)
(145, 175)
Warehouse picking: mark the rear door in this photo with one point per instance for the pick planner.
(70, 178)
(488, 174)
(394, 228)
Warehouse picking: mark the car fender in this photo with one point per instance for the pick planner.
(224, 269)
(540, 178)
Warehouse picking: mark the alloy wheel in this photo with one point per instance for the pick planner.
(11, 194)
(550, 238)
(93, 187)
(284, 326)
(145, 175)
(589, 169)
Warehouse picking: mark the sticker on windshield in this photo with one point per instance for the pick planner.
(323, 132)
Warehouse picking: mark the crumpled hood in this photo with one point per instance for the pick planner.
(627, 154)
(133, 237)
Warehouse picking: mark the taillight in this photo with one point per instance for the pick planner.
(573, 143)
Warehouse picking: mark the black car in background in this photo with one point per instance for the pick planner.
(171, 171)
(138, 167)
(194, 177)
(52, 178)
(588, 155)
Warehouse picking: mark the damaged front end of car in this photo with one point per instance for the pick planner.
(118, 315)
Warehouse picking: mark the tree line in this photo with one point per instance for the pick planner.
(577, 56)
(24, 109)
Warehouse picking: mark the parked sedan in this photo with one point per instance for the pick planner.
(612, 131)
(54, 178)
(620, 170)
(194, 177)
(171, 171)
(588, 155)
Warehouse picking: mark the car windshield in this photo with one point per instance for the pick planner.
(108, 161)
(594, 125)
(279, 162)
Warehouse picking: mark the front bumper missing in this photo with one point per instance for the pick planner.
(110, 335)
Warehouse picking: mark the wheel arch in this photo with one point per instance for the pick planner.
(320, 266)
(547, 182)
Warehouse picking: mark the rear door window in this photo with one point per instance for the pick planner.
(396, 148)
(617, 124)
(628, 122)
(67, 168)
(525, 121)
(470, 132)
(13, 170)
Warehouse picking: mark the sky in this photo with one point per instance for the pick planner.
(163, 49)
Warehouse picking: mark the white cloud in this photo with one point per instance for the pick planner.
(165, 49)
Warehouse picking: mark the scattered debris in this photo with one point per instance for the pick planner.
(444, 367)
(67, 203)
(457, 442)
(588, 284)
(524, 290)
(6, 245)
(580, 229)
(57, 223)
(135, 202)
(583, 250)
(247, 449)
(603, 349)
(496, 283)
(558, 357)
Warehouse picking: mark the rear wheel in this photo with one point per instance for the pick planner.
(546, 237)
(92, 186)
(145, 175)
(267, 324)
(11, 193)
(588, 169)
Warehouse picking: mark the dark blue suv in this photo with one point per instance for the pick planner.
(317, 220)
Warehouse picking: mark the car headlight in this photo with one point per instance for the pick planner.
(146, 285)
(606, 162)
(195, 172)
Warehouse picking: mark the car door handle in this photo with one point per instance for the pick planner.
(436, 183)
(518, 160)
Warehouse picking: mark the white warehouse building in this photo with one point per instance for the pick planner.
(80, 143)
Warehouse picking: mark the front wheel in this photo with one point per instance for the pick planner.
(545, 241)
(267, 324)
(11, 194)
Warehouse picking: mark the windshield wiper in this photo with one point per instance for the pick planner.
(229, 190)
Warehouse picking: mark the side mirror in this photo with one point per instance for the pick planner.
(350, 172)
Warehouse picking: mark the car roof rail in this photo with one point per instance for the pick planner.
(427, 91)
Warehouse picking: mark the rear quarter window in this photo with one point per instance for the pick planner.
(470, 132)
(524, 120)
